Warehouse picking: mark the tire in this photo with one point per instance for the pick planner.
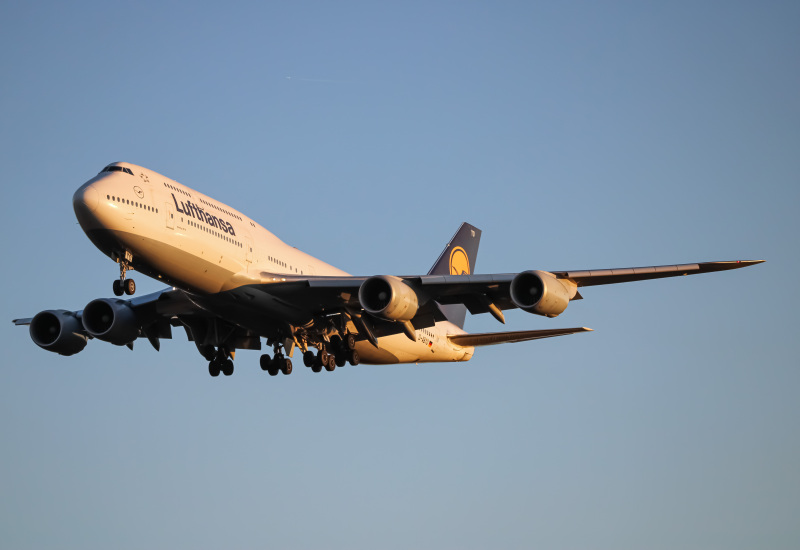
(286, 368)
(227, 367)
(316, 367)
(331, 364)
(274, 369)
(117, 288)
(309, 358)
(265, 361)
(213, 368)
(322, 355)
(130, 287)
(354, 357)
(341, 358)
(349, 341)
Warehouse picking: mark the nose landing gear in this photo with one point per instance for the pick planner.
(128, 286)
(122, 285)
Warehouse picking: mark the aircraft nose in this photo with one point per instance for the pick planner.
(86, 198)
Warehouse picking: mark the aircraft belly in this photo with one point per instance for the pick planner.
(399, 348)
(370, 355)
(176, 265)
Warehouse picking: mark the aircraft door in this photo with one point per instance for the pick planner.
(248, 250)
(170, 215)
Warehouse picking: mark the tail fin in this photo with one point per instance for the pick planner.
(458, 258)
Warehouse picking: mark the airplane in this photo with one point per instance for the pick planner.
(233, 283)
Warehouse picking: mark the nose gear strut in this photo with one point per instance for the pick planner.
(122, 285)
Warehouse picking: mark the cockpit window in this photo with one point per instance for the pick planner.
(111, 168)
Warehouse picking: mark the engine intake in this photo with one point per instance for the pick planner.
(539, 292)
(59, 331)
(111, 321)
(389, 298)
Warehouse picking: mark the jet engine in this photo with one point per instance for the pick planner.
(389, 298)
(59, 331)
(539, 292)
(111, 321)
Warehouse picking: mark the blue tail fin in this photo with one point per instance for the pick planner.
(458, 258)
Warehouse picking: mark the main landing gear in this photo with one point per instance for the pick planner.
(337, 353)
(276, 364)
(221, 363)
(122, 285)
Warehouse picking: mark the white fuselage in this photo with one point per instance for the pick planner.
(191, 241)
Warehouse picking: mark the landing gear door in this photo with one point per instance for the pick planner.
(170, 215)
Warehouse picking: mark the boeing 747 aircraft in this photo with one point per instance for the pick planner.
(233, 283)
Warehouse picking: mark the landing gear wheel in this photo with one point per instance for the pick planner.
(322, 355)
(349, 341)
(213, 368)
(286, 366)
(309, 358)
(275, 367)
(341, 358)
(331, 364)
(316, 367)
(354, 357)
(227, 367)
(265, 361)
(130, 286)
(117, 287)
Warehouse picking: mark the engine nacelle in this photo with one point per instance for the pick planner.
(539, 292)
(111, 321)
(59, 331)
(389, 298)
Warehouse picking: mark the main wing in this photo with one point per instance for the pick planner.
(372, 306)
(121, 322)
(541, 292)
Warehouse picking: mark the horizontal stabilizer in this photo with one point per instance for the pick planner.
(491, 338)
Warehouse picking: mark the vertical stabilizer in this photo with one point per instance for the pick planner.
(458, 258)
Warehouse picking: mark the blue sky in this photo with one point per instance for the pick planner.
(574, 134)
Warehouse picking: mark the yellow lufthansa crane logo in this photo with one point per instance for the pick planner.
(459, 262)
